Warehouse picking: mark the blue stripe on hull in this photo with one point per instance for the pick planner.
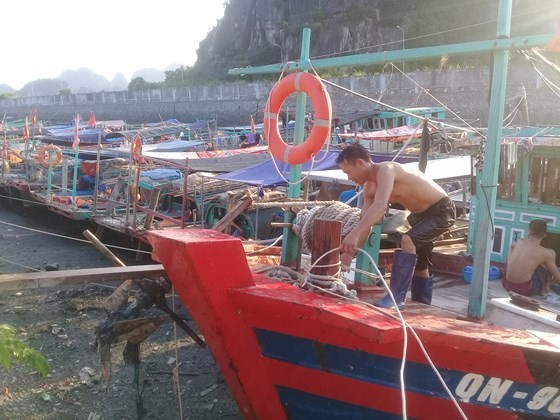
(300, 405)
(474, 388)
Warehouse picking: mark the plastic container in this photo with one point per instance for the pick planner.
(494, 273)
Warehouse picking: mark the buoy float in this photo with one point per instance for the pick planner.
(312, 86)
(43, 155)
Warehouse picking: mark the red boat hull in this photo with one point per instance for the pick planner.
(290, 353)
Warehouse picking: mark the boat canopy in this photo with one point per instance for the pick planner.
(265, 174)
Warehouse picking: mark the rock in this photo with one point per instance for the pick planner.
(52, 267)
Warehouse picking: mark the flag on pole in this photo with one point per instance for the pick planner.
(76, 137)
(26, 129)
(252, 125)
(137, 149)
(34, 118)
(91, 122)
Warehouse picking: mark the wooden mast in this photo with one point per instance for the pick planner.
(487, 179)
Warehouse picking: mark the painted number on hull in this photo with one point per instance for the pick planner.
(494, 390)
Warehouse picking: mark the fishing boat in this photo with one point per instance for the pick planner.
(287, 351)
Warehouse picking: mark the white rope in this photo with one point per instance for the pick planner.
(294, 203)
(407, 142)
(427, 92)
(261, 250)
(294, 275)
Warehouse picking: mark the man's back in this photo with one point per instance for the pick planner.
(524, 257)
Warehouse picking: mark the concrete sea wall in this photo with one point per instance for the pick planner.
(464, 91)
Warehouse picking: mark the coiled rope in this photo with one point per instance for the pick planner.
(303, 222)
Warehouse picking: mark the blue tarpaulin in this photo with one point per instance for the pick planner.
(265, 173)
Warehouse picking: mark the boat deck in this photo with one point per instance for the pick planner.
(452, 294)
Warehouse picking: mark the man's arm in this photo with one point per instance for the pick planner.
(373, 211)
(550, 263)
(511, 247)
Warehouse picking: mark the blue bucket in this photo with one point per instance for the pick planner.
(493, 273)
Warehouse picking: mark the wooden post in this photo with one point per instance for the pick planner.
(363, 282)
(326, 236)
(154, 200)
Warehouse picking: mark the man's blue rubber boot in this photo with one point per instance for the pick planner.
(421, 289)
(401, 276)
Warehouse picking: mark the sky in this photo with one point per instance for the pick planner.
(43, 38)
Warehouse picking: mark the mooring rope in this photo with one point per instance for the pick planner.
(303, 223)
(294, 203)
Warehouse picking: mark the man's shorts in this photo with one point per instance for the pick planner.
(536, 285)
(428, 226)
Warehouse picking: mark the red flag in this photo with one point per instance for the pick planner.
(91, 122)
(137, 149)
(26, 129)
(34, 118)
(253, 125)
(76, 137)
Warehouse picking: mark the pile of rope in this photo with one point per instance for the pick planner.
(309, 281)
(303, 223)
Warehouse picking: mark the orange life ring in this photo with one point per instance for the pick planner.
(43, 155)
(312, 86)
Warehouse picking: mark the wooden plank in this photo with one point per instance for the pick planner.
(154, 199)
(239, 208)
(44, 279)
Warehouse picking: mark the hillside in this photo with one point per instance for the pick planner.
(257, 32)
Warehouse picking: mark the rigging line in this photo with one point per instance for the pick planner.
(546, 60)
(410, 114)
(73, 239)
(427, 92)
(532, 61)
(22, 200)
(474, 25)
(555, 89)
(511, 116)
(19, 265)
(407, 142)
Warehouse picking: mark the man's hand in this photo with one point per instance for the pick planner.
(350, 243)
(346, 260)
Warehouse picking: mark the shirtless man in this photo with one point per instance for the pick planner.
(529, 264)
(432, 214)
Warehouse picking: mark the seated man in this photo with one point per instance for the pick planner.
(529, 264)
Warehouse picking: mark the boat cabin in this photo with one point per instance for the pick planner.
(383, 119)
(528, 189)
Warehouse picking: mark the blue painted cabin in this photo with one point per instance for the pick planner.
(528, 189)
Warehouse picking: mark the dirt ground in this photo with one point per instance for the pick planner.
(61, 323)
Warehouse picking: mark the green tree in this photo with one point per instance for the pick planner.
(13, 349)
(138, 83)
